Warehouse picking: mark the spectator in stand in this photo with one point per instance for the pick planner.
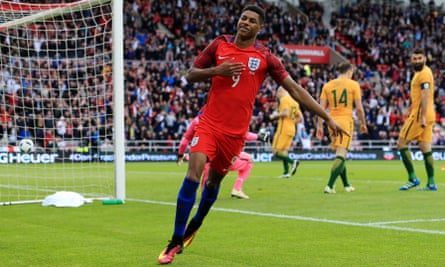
(306, 140)
(61, 127)
(50, 140)
(365, 24)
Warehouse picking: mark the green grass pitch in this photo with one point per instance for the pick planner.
(287, 222)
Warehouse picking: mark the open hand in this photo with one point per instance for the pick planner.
(337, 130)
(230, 68)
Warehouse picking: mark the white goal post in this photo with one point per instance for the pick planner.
(62, 86)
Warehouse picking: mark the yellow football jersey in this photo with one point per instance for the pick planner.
(422, 80)
(340, 95)
(287, 124)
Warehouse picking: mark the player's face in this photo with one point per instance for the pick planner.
(249, 24)
(418, 61)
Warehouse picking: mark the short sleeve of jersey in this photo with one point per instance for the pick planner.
(284, 104)
(323, 93)
(357, 91)
(207, 57)
(425, 79)
(299, 113)
(276, 68)
(424, 83)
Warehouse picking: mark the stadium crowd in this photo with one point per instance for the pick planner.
(385, 34)
(162, 37)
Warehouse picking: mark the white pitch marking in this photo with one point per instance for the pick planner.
(378, 225)
(408, 221)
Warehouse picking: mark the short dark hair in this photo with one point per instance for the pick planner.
(419, 51)
(257, 10)
(344, 67)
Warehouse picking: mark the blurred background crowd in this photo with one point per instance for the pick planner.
(163, 37)
(377, 38)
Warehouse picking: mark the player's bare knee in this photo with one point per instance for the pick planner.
(214, 179)
(194, 175)
(212, 183)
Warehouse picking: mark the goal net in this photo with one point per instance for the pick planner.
(56, 89)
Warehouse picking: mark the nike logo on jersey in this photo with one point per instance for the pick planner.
(223, 57)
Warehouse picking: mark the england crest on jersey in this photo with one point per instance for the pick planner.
(195, 141)
(254, 63)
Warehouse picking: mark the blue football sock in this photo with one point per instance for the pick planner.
(208, 197)
(184, 204)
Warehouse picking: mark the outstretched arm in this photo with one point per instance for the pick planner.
(262, 135)
(251, 136)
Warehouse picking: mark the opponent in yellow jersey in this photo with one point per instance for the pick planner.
(340, 96)
(420, 122)
(288, 115)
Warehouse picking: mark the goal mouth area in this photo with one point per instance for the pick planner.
(58, 89)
